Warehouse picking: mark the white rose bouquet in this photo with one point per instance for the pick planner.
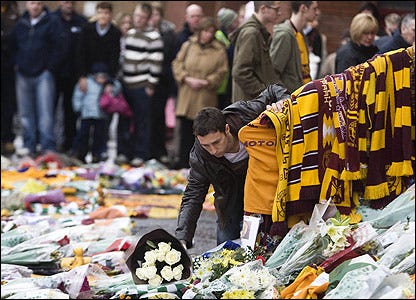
(161, 265)
(158, 258)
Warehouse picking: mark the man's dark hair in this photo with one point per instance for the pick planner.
(105, 5)
(146, 8)
(209, 120)
(295, 5)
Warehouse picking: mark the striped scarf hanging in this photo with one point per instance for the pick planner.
(349, 136)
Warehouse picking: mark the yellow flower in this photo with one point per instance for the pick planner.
(238, 294)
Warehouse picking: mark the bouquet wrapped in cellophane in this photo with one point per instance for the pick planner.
(250, 280)
(158, 258)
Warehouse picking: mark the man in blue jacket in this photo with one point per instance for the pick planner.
(38, 43)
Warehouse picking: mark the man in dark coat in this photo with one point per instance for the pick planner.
(37, 43)
(218, 158)
(66, 77)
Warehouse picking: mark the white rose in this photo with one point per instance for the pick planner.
(155, 281)
(167, 273)
(172, 257)
(164, 247)
(140, 273)
(160, 255)
(150, 271)
(150, 257)
(177, 272)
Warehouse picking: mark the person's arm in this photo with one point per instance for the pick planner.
(273, 93)
(215, 79)
(192, 204)
(58, 41)
(77, 99)
(178, 68)
(244, 61)
(280, 50)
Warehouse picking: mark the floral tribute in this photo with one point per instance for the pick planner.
(158, 258)
(211, 266)
(337, 234)
(161, 265)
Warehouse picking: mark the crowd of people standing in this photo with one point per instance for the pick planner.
(47, 55)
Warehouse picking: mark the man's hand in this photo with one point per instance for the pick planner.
(83, 84)
(275, 107)
(183, 244)
(149, 91)
(196, 83)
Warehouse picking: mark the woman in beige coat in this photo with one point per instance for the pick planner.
(199, 69)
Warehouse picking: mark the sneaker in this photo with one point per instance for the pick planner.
(23, 152)
(121, 159)
(136, 162)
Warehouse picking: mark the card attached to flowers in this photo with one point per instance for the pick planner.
(158, 258)
(249, 231)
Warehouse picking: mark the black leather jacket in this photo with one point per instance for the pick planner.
(227, 178)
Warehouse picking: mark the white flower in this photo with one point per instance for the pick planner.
(172, 257)
(177, 272)
(164, 247)
(167, 273)
(157, 265)
(149, 271)
(335, 232)
(202, 273)
(155, 281)
(150, 257)
(160, 255)
(140, 273)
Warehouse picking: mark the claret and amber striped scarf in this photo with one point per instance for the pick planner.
(350, 136)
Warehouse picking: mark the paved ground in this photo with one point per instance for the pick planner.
(205, 237)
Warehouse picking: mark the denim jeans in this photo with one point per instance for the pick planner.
(230, 232)
(35, 104)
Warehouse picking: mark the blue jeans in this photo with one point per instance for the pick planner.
(230, 231)
(35, 103)
(139, 103)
